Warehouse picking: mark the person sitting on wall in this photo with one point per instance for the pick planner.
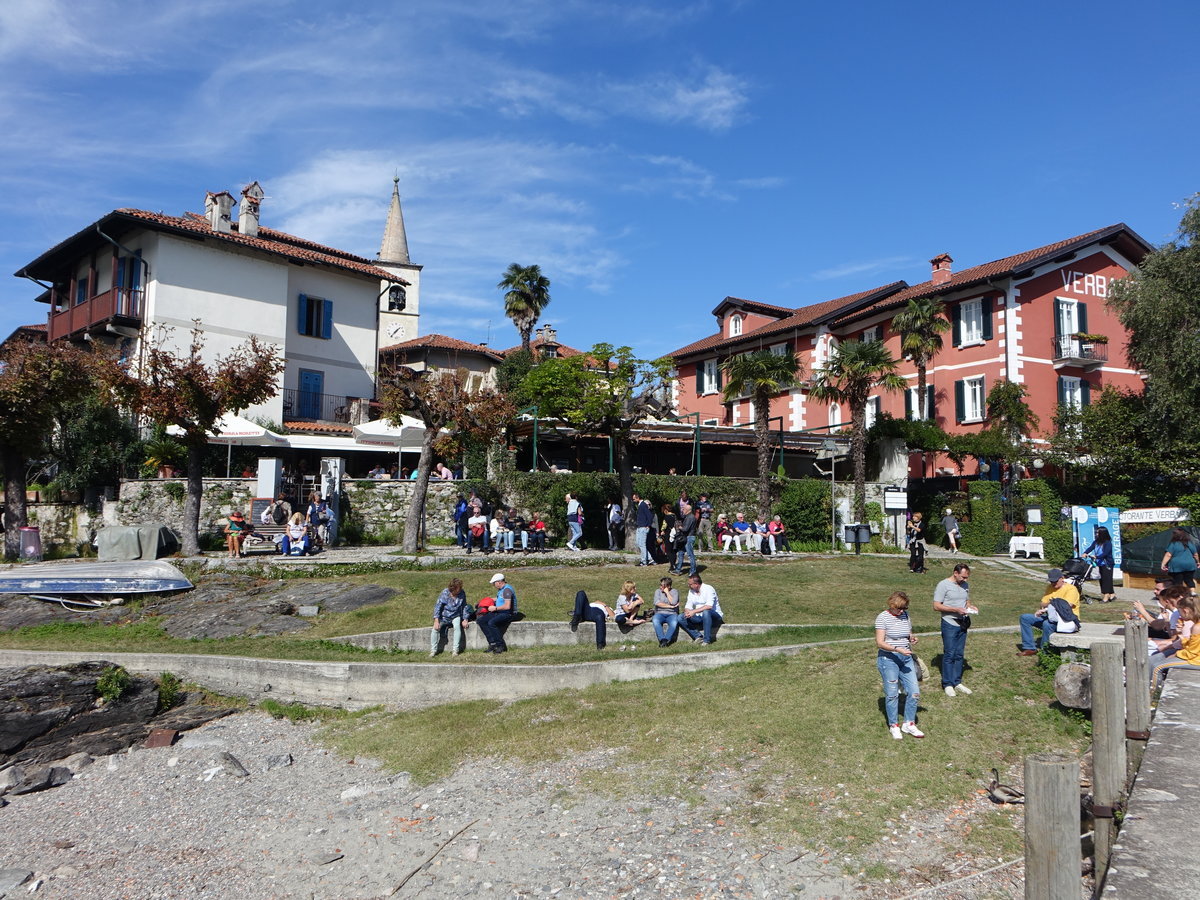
(777, 535)
(515, 523)
(296, 535)
(1058, 619)
(318, 519)
(537, 533)
(701, 614)
(477, 530)
(494, 623)
(236, 530)
(760, 533)
(743, 531)
(450, 614)
(726, 535)
(595, 611)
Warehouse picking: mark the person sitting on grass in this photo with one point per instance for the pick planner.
(596, 612)
(1059, 590)
(236, 530)
(449, 613)
(296, 534)
(702, 613)
(666, 612)
(629, 606)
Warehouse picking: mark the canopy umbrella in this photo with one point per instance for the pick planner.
(233, 429)
(403, 435)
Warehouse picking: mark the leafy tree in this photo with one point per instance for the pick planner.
(854, 370)
(763, 375)
(608, 392)
(527, 293)
(1159, 305)
(181, 389)
(442, 400)
(94, 443)
(921, 325)
(37, 381)
(511, 375)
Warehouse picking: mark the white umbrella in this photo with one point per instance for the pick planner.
(233, 429)
(404, 435)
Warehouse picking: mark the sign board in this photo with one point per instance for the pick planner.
(1086, 519)
(895, 499)
(1155, 514)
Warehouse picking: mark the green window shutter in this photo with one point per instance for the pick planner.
(720, 376)
(929, 403)
(908, 404)
(1062, 390)
(956, 320)
(1083, 317)
(1058, 318)
(960, 401)
(327, 320)
(302, 310)
(1085, 393)
(986, 307)
(699, 378)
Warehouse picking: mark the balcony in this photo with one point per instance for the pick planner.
(119, 306)
(309, 406)
(1080, 352)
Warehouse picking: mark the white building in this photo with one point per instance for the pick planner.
(132, 271)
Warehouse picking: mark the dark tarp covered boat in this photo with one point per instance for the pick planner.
(88, 584)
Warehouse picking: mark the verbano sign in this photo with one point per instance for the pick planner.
(1154, 514)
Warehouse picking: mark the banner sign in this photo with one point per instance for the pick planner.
(1155, 514)
(1086, 519)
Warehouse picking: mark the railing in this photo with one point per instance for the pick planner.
(113, 303)
(302, 405)
(1067, 348)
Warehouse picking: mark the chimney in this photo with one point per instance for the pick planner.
(941, 268)
(548, 335)
(218, 210)
(252, 196)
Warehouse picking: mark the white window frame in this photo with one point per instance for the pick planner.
(835, 415)
(974, 402)
(710, 377)
(872, 412)
(970, 317)
(1072, 392)
(779, 349)
(874, 333)
(914, 406)
(1067, 326)
(735, 325)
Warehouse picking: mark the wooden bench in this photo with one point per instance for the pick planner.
(270, 532)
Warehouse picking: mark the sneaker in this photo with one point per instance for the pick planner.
(432, 654)
(963, 689)
(1027, 652)
(705, 643)
(895, 732)
(911, 728)
(575, 620)
(949, 691)
(662, 643)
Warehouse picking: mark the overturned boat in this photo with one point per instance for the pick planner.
(90, 585)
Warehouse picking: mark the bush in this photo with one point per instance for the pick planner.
(984, 533)
(170, 690)
(113, 683)
(804, 508)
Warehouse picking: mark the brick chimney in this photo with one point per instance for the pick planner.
(252, 196)
(218, 209)
(941, 268)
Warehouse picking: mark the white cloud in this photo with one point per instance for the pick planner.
(863, 267)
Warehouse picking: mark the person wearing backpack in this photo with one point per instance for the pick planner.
(282, 511)
(616, 524)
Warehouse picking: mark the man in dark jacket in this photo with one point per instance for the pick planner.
(644, 521)
(685, 541)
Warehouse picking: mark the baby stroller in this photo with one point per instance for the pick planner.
(1077, 571)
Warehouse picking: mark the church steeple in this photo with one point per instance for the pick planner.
(394, 249)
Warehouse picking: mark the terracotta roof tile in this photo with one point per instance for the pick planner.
(442, 342)
(756, 306)
(332, 428)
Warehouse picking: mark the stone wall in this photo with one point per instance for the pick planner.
(65, 525)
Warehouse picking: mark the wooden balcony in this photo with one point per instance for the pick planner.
(1072, 351)
(118, 306)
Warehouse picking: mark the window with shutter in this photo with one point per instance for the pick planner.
(969, 398)
(315, 317)
(971, 322)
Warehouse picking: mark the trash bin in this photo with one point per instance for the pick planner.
(31, 543)
(858, 534)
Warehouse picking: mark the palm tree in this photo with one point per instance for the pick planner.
(854, 370)
(527, 291)
(921, 326)
(763, 375)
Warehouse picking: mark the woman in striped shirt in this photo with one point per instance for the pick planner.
(894, 640)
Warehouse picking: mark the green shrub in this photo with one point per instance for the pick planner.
(176, 490)
(983, 532)
(804, 508)
(113, 682)
(170, 690)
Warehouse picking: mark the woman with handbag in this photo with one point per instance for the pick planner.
(897, 666)
(916, 544)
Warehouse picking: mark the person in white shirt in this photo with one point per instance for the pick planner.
(477, 530)
(701, 614)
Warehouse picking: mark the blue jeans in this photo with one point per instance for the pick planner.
(460, 532)
(492, 625)
(665, 625)
(576, 533)
(639, 539)
(288, 545)
(688, 548)
(585, 612)
(897, 671)
(504, 540)
(707, 620)
(455, 627)
(1028, 620)
(954, 645)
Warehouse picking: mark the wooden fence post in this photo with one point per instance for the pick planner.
(1108, 747)
(1052, 866)
(1137, 694)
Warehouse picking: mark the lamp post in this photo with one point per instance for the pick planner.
(830, 446)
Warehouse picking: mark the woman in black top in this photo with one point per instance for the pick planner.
(916, 543)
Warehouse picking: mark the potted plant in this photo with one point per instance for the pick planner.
(163, 454)
(1089, 338)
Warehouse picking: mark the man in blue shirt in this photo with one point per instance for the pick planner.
(493, 624)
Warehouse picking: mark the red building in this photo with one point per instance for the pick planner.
(1037, 318)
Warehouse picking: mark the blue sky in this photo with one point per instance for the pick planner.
(651, 157)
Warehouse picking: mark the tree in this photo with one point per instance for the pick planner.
(180, 389)
(1159, 306)
(763, 375)
(609, 391)
(94, 444)
(442, 400)
(854, 370)
(527, 293)
(1009, 420)
(37, 381)
(921, 325)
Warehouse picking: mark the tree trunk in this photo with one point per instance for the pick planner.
(762, 441)
(624, 463)
(416, 509)
(921, 392)
(15, 509)
(191, 504)
(858, 447)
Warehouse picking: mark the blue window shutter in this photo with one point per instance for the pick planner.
(956, 319)
(908, 404)
(1085, 393)
(1083, 317)
(960, 401)
(120, 273)
(929, 403)
(986, 307)
(327, 321)
(135, 277)
(302, 311)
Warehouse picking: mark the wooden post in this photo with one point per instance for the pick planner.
(1137, 694)
(1052, 867)
(1108, 747)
